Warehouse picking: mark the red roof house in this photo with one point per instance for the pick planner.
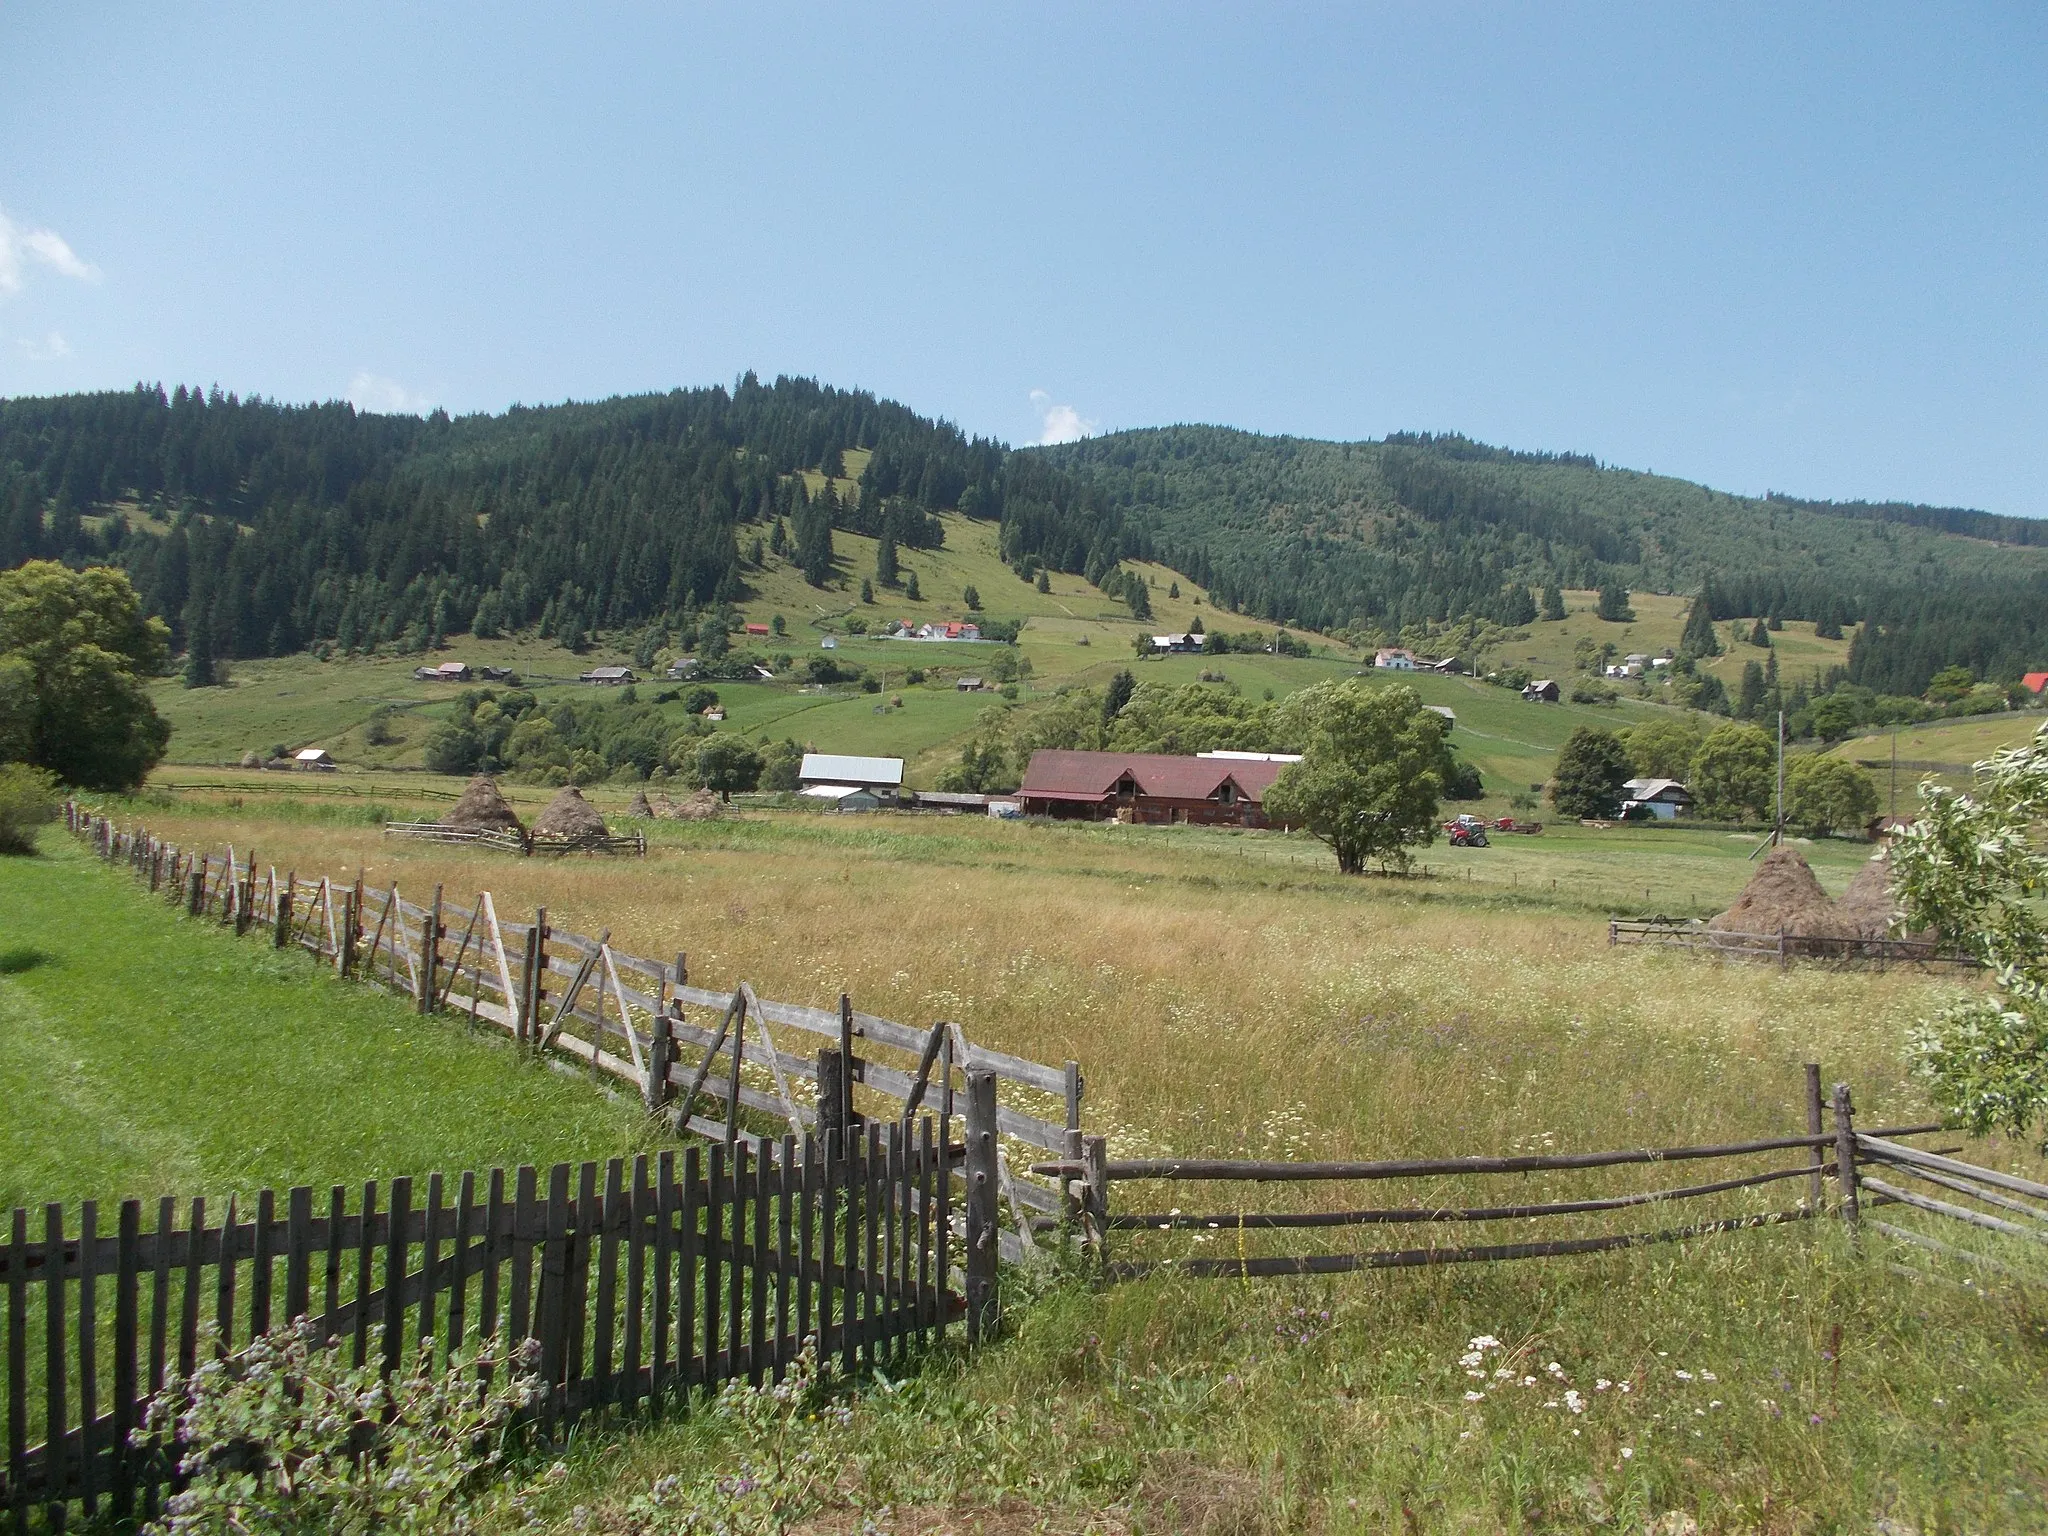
(1147, 788)
(2035, 681)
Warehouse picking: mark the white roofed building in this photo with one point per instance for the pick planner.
(880, 776)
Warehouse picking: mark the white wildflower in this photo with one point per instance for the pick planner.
(1475, 1397)
(1573, 1401)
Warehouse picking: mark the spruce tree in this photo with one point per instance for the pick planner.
(1614, 606)
(910, 587)
(1044, 582)
(1699, 638)
(1116, 696)
(1760, 636)
(1553, 603)
(885, 554)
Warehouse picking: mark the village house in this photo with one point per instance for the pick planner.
(1148, 788)
(2034, 682)
(1393, 658)
(844, 797)
(314, 760)
(950, 630)
(1165, 645)
(683, 667)
(881, 777)
(1542, 691)
(969, 685)
(446, 672)
(608, 677)
(1665, 799)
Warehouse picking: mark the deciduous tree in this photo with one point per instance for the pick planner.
(1373, 765)
(1591, 768)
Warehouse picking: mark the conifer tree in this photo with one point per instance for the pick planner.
(1553, 603)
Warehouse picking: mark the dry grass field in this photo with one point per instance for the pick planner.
(1231, 995)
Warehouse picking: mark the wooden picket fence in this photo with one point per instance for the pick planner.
(637, 1285)
(525, 844)
(719, 1063)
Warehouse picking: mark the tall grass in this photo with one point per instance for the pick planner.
(1230, 997)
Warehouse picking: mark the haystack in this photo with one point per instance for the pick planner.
(1783, 896)
(569, 817)
(702, 806)
(1867, 908)
(637, 808)
(483, 809)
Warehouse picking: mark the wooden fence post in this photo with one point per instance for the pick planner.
(984, 1302)
(1095, 1153)
(1845, 1156)
(281, 919)
(1816, 1155)
(430, 956)
(195, 891)
(831, 1095)
(849, 1064)
(661, 1049)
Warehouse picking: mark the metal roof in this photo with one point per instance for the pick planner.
(1090, 775)
(834, 768)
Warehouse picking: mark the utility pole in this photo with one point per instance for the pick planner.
(1893, 808)
(1778, 826)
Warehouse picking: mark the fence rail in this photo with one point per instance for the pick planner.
(1094, 1175)
(636, 1283)
(720, 1063)
(1782, 947)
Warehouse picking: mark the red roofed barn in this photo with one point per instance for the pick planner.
(2034, 682)
(1147, 787)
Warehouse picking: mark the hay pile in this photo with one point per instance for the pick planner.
(483, 809)
(702, 806)
(569, 817)
(637, 808)
(1867, 908)
(1783, 896)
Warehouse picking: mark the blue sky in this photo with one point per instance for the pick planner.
(1801, 248)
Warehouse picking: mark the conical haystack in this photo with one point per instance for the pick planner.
(637, 808)
(569, 817)
(701, 806)
(482, 809)
(1867, 908)
(1783, 897)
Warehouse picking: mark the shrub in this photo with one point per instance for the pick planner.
(28, 798)
(285, 1435)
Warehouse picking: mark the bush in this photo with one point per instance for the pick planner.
(28, 798)
(285, 1435)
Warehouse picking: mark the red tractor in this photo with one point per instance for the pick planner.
(1466, 832)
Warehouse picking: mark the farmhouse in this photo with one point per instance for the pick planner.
(1163, 645)
(447, 672)
(969, 685)
(881, 777)
(314, 760)
(1665, 799)
(1392, 658)
(683, 667)
(1542, 691)
(608, 677)
(1149, 788)
(2034, 682)
(844, 797)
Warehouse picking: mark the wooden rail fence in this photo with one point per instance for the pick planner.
(1826, 1150)
(1781, 947)
(524, 844)
(725, 1064)
(636, 1283)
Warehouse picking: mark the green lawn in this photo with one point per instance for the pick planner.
(143, 1053)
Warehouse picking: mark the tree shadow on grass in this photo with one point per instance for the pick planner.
(23, 957)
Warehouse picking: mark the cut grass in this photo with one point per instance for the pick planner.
(145, 1054)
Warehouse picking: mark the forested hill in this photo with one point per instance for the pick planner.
(1428, 527)
(271, 527)
(258, 528)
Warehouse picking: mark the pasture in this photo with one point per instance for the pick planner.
(142, 1054)
(1229, 995)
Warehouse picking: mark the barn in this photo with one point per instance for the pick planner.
(1149, 788)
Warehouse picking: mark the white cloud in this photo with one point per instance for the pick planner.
(373, 392)
(20, 246)
(1060, 423)
(51, 347)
